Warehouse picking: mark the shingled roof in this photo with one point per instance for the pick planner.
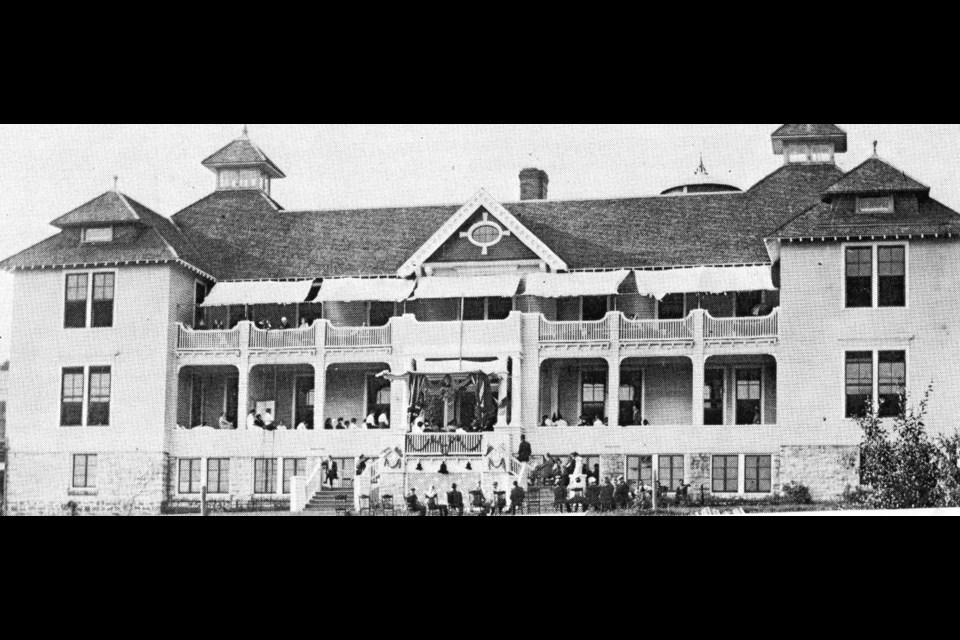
(245, 236)
(141, 236)
(243, 153)
(912, 219)
(876, 177)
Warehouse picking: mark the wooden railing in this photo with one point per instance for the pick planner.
(445, 444)
(358, 337)
(598, 331)
(750, 328)
(656, 330)
(191, 340)
(283, 339)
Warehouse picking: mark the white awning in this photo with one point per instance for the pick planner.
(243, 293)
(361, 290)
(572, 285)
(467, 287)
(660, 284)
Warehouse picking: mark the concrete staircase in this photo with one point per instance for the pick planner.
(324, 502)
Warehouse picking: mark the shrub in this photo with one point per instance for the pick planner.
(796, 494)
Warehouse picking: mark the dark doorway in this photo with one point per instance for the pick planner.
(595, 308)
(713, 393)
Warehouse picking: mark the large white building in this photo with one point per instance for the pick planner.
(726, 337)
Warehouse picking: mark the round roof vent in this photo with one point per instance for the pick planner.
(702, 184)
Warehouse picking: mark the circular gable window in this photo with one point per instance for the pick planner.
(486, 234)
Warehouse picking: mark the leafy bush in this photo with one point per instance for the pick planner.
(905, 468)
(796, 494)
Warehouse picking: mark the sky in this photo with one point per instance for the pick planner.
(47, 170)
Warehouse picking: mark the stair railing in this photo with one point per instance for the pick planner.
(303, 489)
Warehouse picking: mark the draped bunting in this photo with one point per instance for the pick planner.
(422, 389)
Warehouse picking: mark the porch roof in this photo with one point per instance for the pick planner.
(249, 293)
(565, 285)
(433, 288)
(366, 290)
(660, 284)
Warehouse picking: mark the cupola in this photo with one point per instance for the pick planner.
(241, 165)
(701, 184)
(809, 143)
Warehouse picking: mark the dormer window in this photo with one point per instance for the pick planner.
(93, 235)
(882, 204)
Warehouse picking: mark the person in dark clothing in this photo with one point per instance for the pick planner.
(455, 501)
(414, 506)
(607, 492)
(595, 474)
(525, 452)
(592, 496)
(560, 497)
(328, 425)
(622, 494)
(682, 497)
(499, 500)
(517, 497)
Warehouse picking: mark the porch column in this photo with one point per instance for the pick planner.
(502, 394)
(399, 405)
(319, 393)
(613, 391)
(243, 382)
(517, 389)
(699, 381)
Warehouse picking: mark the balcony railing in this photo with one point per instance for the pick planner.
(190, 340)
(751, 328)
(283, 340)
(445, 444)
(598, 331)
(358, 337)
(656, 330)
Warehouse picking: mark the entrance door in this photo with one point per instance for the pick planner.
(713, 393)
(749, 395)
(303, 412)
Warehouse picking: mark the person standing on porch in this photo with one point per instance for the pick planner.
(525, 452)
(371, 420)
(333, 472)
(637, 416)
(384, 420)
(251, 420)
(225, 425)
(455, 500)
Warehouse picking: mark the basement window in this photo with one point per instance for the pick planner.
(97, 234)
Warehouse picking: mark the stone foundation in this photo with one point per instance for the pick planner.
(39, 484)
(826, 470)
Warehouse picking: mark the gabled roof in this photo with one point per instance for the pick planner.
(452, 225)
(245, 236)
(877, 177)
(143, 237)
(811, 132)
(110, 208)
(243, 153)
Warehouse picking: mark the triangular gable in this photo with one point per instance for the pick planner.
(453, 226)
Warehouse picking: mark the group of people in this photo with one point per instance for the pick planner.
(263, 325)
(420, 425)
(374, 421)
(592, 496)
(501, 503)
(600, 421)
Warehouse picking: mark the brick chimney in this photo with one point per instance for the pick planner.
(533, 184)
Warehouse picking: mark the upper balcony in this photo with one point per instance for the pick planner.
(699, 328)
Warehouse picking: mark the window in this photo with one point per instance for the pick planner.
(640, 469)
(189, 478)
(672, 307)
(499, 308)
(199, 297)
(98, 234)
(758, 474)
(218, 476)
(474, 309)
(859, 383)
(84, 472)
(892, 382)
(103, 300)
(670, 471)
(631, 398)
(71, 398)
(98, 410)
(485, 235)
(859, 277)
(798, 153)
(892, 276)
(726, 474)
(882, 204)
(821, 153)
(265, 476)
(749, 394)
(381, 313)
(75, 312)
(292, 469)
(594, 395)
